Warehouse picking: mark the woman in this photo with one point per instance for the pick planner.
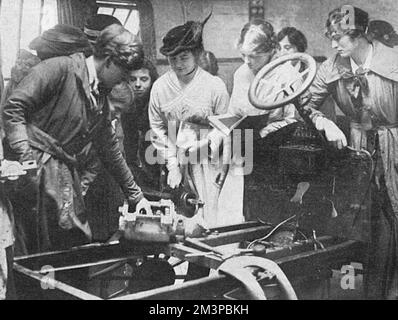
(291, 40)
(180, 103)
(362, 77)
(135, 124)
(257, 45)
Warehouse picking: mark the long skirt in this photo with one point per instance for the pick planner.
(222, 207)
(381, 270)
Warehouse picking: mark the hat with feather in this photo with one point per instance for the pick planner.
(184, 37)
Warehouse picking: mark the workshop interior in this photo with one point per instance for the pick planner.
(198, 150)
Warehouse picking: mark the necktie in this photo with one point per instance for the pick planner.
(360, 77)
(357, 86)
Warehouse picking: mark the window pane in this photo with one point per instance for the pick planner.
(121, 14)
(50, 14)
(133, 23)
(30, 22)
(9, 34)
(30, 27)
(104, 10)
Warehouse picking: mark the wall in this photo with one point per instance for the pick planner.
(220, 33)
(222, 30)
(310, 17)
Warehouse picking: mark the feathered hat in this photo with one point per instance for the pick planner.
(184, 37)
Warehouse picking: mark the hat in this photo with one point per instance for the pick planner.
(184, 37)
(61, 40)
(97, 23)
(384, 32)
(342, 21)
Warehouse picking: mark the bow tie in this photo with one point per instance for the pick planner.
(357, 80)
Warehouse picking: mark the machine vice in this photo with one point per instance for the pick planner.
(161, 225)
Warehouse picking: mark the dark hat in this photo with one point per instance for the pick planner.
(184, 37)
(384, 32)
(95, 24)
(61, 40)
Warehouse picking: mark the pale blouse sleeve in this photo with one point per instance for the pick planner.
(220, 106)
(289, 116)
(160, 127)
(220, 97)
(238, 96)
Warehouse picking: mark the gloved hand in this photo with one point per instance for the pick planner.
(22, 150)
(143, 204)
(332, 133)
(174, 177)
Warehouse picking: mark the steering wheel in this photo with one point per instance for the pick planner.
(280, 86)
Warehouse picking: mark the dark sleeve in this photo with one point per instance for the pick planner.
(32, 93)
(109, 152)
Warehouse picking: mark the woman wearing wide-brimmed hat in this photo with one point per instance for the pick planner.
(181, 101)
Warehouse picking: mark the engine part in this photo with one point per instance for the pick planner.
(163, 225)
(186, 202)
(11, 170)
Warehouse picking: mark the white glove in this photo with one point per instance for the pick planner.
(143, 204)
(332, 133)
(174, 177)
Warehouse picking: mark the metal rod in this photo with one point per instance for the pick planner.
(56, 284)
(203, 246)
(108, 269)
(85, 265)
(128, 16)
(41, 16)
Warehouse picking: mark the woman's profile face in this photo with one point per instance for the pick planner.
(255, 60)
(344, 45)
(285, 47)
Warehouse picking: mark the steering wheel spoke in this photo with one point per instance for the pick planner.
(281, 81)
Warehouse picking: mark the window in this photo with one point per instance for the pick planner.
(125, 11)
(20, 22)
(136, 16)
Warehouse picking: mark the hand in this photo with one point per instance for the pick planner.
(174, 177)
(22, 150)
(143, 204)
(332, 133)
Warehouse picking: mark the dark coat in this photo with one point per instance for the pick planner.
(50, 116)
